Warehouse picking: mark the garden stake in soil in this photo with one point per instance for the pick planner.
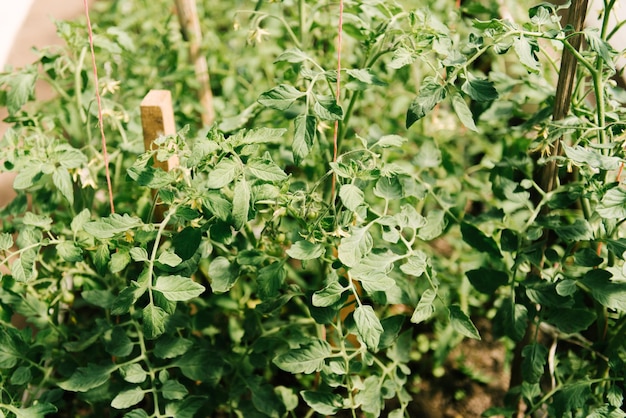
(157, 119)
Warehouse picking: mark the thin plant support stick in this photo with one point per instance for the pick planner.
(105, 154)
(187, 11)
(338, 93)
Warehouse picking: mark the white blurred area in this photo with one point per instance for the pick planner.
(12, 16)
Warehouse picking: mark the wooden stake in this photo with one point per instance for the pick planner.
(157, 119)
(190, 25)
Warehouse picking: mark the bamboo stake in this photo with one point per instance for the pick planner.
(190, 25)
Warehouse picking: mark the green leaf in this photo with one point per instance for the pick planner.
(366, 76)
(137, 413)
(599, 46)
(390, 141)
(39, 221)
(79, 221)
(36, 411)
(117, 343)
(265, 169)
(21, 376)
(325, 403)
(106, 228)
(223, 274)
(368, 326)
(425, 307)
(511, 320)
(611, 294)
(429, 156)
(241, 203)
(351, 196)
(570, 398)
(293, 55)
(21, 88)
(613, 204)
(63, 181)
(487, 280)
(306, 359)
(280, 97)
(171, 347)
(23, 269)
(430, 94)
(70, 252)
(303, 136)
(479, 241)
(6, 241)
(186, 408)
(535, 356)
(133, 373)
(388, 188)
(370, 397)
(187, 242)
(86, 378)
(153, 321)
(401, 58)
(416, 264)
(329, 295)
(328, 109)
(128, 398)
(201, 365)
(178, 288)
(355, 246)
(305, 250)
(12, 347)
(174, 390)
(479, 89)
(169, 258)
(120, 259)
(570, 320)
(264, 398)
(463, 112)
(222, 174)
(461, 323)
(138, 254)
(270, 279)
(581, 156)
(526, 49)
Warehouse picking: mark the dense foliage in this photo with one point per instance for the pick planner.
(282, 280)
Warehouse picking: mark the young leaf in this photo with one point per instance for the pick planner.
(178, 288)
(23, 269)
(327, 110)
(368, 326)
(425, 307)
(306, 359)
(351, 196)
(416, 264)
(325, 403)
(303, 136)
(270, 279)
(430, 94)
(463, 112)
(153, 321)
(86, 378)
(241, 203)
(36, 411)
(461, 323)
(280, 97)
(599, 46)
(401, 58)
(370, 397)
(613, 204)
(21, 88)
(128, 398)
(169, 258)
(6, 241)
(305, 250)
(12, 347)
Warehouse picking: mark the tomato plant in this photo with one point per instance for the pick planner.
(337, 232)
